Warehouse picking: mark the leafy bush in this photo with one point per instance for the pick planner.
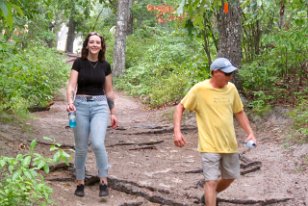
(20, 180)
(29, 77)
(300, 117)
(280, 71)
(162, 70)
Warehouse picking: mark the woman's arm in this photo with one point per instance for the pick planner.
(71, 90)
(110, 98)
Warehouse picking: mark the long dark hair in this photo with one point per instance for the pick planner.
(85, 51)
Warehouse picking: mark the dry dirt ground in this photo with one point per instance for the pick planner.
(147, 169)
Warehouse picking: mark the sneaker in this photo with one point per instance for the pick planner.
(103, 190)
(79, 191)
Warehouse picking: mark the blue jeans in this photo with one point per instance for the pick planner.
(92, 119)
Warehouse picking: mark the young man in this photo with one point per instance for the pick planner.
(215, 101)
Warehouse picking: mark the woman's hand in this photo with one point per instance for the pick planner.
(114, 121)
(70, 107)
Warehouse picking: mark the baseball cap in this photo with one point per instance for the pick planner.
(223, 65)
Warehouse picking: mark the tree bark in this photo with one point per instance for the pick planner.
(70, 35)
(281, 14)
(130, 20)
(120, 41)
(206, 39)
(230, 34)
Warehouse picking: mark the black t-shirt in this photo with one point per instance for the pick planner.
(91, 76)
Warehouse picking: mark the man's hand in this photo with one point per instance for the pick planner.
(179, 140)
(251, 136)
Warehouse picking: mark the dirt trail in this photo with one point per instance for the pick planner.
(148, 170)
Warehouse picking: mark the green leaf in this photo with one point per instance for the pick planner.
(28, 174)
(4, 9)
(40, 164)
(46, 168)
(48, 139)
(33, 145)
(26, 161)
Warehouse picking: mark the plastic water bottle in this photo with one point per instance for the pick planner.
(72, 119)
(251, 144)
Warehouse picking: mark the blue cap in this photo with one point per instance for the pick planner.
(222, 64)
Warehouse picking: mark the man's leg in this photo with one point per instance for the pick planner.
(223, 184)
(212, 173)
(210, 192)
(211, 188)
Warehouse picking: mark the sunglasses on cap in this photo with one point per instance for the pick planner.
(228, 74)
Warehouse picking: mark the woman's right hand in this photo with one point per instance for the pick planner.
(71, 107)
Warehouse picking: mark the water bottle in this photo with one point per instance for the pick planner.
(251, 144)
(72, 119)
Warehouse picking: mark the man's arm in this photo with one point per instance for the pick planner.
(179, 140)
(244, 123)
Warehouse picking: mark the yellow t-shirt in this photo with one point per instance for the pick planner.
(214, 110)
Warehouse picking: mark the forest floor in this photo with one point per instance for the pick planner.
(147, 169)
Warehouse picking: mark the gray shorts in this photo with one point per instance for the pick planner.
(218, 165)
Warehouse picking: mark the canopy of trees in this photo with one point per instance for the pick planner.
(169, 45)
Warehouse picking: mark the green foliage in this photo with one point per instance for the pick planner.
(280, 71)
(29, 77)
(259, 104)
(300, 117)
(21, 182)
(163, 67)
(7, 9)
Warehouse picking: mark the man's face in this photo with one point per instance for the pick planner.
(222, 78)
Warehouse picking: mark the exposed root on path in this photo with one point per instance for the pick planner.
(62, 146)
(157, 129)
(137, 144)
(155, 195)
(250, 202)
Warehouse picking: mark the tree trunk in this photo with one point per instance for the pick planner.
(230, 33)
(70, 35)
(120, 41)
(281, 14)
(206, 38)
(130, 20)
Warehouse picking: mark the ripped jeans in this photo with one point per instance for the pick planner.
(92, 119)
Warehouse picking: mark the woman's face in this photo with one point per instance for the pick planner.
(94, 44)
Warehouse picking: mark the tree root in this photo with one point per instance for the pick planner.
(144, 148)
(62, 146)
(160, 196)
(132, 204)
(155, 130)
(137, 144)
(250, 202)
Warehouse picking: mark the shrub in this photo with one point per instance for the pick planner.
(163, 70)
(20, 180)
(29, 77)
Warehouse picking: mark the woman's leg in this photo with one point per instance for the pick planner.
(99, 121)
(81, 135)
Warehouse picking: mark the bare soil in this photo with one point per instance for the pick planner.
(147, 169)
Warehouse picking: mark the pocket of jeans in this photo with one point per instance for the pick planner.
(77, 103)
(101, 103)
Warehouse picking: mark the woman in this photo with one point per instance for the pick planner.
(91, 77)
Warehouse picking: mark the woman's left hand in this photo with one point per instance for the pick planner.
(114, 121)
